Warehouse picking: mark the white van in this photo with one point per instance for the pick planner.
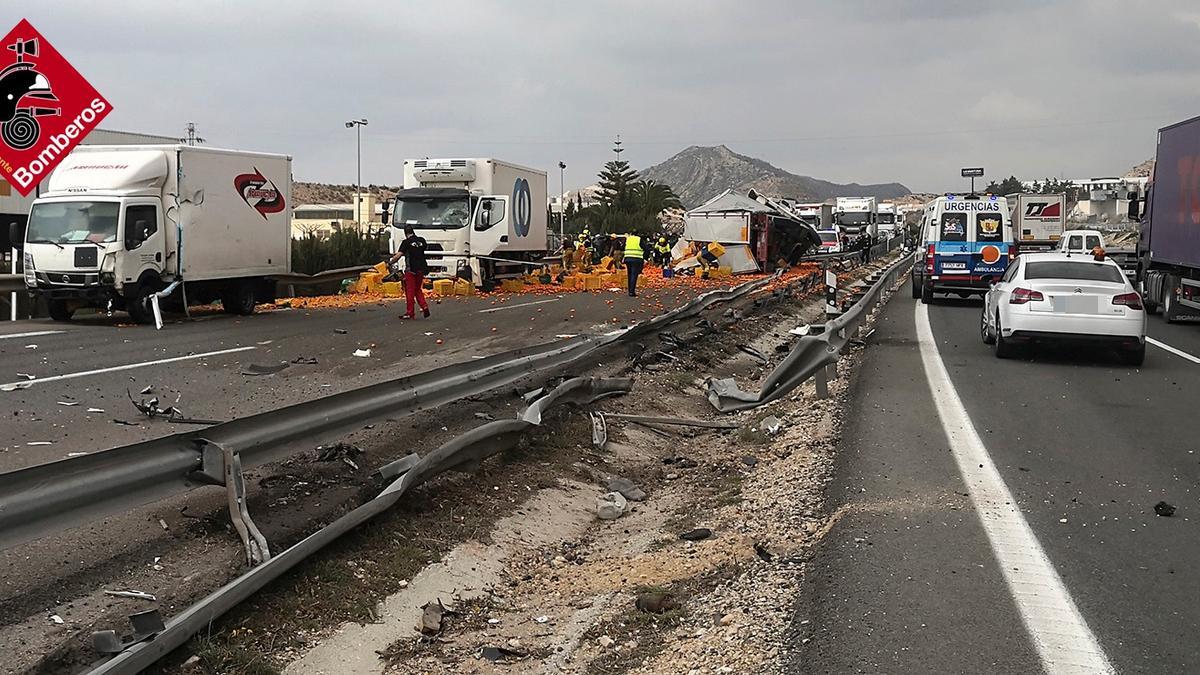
(966, 244)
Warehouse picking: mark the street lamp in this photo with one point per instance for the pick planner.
(357, 125)
(562, 207)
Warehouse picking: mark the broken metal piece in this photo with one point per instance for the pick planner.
(255, 369)
(225, 462)
(138, 595)
(599, 430)
(758, 356)
(678, 421)
(398, 467)
(145, 624)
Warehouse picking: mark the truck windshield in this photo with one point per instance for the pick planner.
(433, 214)
(815, 221)
(828, 237)
(853, 218)
(887, 218)
(73, 222)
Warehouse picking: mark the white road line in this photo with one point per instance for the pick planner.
(523, 304)
(1062, 638)
(128, 366)
(1177, 352)
(32, 334)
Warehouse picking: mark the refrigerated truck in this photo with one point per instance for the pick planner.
(856, 216)
(1038, 221)
(483, 219)
(1168, 266)
(115, 225)
(886, 219)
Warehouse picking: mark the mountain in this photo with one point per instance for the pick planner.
(1143, 170)
(700, 173)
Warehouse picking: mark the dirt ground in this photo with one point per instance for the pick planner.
(530, 578)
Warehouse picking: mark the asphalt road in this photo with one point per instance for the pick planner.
(907, 580)
(101, 359)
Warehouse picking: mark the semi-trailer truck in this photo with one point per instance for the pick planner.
(1038, 221)
(1169, 242)
(119, 224)
(856, 216)
(483, 219)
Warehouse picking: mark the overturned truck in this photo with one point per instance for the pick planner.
(758, 233)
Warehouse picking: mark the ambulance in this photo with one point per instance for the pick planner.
(966, 245)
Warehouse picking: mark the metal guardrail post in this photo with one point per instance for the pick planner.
(822, 383)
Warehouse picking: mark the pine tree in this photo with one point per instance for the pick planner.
(616, 186)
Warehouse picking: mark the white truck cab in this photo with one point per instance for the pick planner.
(1080, 241)
(483, 219)
(856, 216)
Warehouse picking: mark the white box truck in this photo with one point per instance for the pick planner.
(855, 216)
(483, 219)
(886, 219)
(118, 224)
(1038, 221)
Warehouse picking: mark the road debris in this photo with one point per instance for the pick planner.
(627, 489)
(54, 618)
(1164, 509)
(771, 424)
(762, 552)
(656, 602)
(697, 534)
(95, 410)
(610, 506)
(256, 369)
(758, 356)
(680, 461)
(30, 346)
(340, 331)
(501, 654)
(432, 616)
(340, 451)
(15, 386)
(68, 404)
(674, 421)
(138, 595)
(362, 353)
(749, 460)
(40, 443)
(27, 376)
(305, 361)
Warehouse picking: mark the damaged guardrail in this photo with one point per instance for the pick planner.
(471, 447)
(40, 500)
(811, 355)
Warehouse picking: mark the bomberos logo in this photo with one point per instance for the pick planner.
(46, 108)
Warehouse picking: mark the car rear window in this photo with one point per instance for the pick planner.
(1082, 270)
(828, 237)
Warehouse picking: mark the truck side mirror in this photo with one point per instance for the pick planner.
(385, 217)
(16, 236)
(1134, 209)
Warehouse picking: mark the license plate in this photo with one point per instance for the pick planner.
(1070, 304)
(954, 266)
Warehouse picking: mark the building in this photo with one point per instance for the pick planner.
(322, 220)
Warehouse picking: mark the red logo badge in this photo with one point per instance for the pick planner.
(990, 254)
(46, 108)
(253, 187)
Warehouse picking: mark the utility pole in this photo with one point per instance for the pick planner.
(617, 149)
(357, 125)
(192, 138)
(562, 202)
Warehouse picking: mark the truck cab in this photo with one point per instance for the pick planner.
(479, 217)
(856, 216)
(91, 237)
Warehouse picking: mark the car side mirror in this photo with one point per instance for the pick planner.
(16, 236)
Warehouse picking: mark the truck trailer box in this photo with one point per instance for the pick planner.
(1171, 228)
(1038, 220)
(117, 224)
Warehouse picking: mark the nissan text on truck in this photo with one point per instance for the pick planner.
(118, 224)
(856, 216)
(1169, 243)
(1038, 221)
(483, 219)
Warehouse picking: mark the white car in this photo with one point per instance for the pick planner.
(1059, 297)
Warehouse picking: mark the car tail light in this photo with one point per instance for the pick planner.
(1021, 296)
(929, 260)
(1012, 252)
(1130, 300)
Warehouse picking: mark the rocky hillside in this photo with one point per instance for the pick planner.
(700, 173)
(325, 193)
(1143, 170)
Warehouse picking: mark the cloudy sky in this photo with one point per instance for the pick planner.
(856, 90)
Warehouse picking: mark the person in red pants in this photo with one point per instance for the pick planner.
(412, 249)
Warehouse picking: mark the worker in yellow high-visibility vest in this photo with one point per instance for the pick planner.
(634, 260)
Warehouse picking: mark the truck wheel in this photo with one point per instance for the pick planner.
(239, 299)
(927, 294)
(916, 287)
(138, 305)
(60, 310)
(1170, 309)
